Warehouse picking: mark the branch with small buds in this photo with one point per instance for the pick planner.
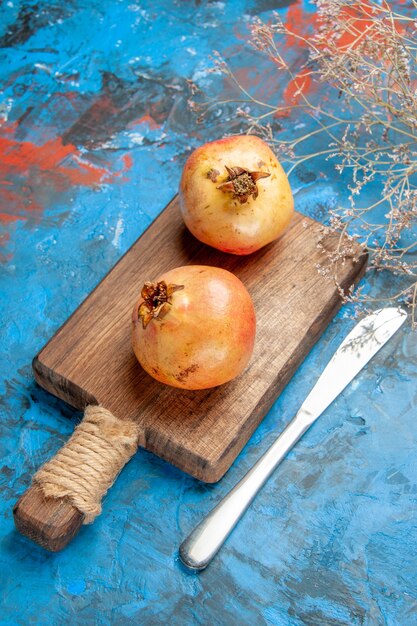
(363, 56)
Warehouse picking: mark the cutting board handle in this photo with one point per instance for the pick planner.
(66, 492)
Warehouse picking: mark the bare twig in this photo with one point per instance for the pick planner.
(363, 55)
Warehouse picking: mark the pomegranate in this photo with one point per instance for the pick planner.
(194, 327)
(234, 194)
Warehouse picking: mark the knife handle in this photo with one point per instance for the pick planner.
(206, 539)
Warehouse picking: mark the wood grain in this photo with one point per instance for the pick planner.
(50, 522)
(90, 360)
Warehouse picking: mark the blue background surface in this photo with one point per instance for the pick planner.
(94, 132)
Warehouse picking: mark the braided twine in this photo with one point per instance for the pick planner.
(89, 463)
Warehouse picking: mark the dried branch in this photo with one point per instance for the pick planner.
(362, 56)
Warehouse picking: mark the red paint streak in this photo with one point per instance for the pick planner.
(52, 157)
(304, 24)
(146, 119)
(127, 162)
(34, 176)
(17, 202)
(357, 16)
(9, 128)
(7, 219)
(299, 22)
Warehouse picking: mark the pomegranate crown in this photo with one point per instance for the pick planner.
(157, 300)
(242, 183)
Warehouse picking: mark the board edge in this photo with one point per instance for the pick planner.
(214, 471)
(90, 294)
(53, 382)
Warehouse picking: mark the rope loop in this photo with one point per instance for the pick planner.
(89, 463)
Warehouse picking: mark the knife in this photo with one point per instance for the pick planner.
(360, 345)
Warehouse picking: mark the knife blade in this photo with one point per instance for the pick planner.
(355, 351)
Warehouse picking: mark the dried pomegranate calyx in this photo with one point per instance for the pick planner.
(157, 299)
(242, 183)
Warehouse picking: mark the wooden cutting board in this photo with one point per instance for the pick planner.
(90, 359)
